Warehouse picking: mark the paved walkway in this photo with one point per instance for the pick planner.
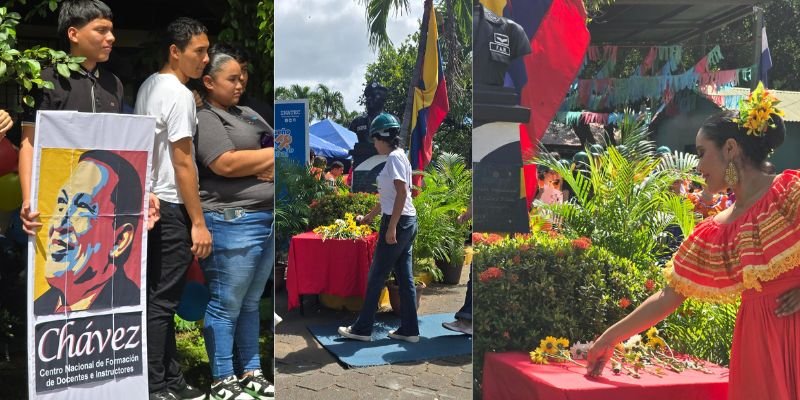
(305, 370)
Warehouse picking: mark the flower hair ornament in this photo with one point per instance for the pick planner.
(755, 112)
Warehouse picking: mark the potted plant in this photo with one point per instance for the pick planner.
(394, 292)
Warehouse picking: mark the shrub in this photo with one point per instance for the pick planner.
(330, 207)
(703, 330)
(547, 284)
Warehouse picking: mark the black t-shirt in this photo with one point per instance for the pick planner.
(85, 91)
(360, 126)
(497, 42)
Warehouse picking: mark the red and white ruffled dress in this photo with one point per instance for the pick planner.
(754, 257)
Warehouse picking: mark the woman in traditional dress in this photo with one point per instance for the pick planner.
(750, 250)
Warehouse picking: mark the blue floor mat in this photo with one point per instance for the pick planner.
(434, 342)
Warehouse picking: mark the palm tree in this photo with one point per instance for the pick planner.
(327, 103)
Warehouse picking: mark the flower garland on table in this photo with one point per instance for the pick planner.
(346, 228)
(755, 112)
(648, 354)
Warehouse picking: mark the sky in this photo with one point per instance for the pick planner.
(326, 41)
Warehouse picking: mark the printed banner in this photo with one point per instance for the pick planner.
(87, 264)
(291, 131)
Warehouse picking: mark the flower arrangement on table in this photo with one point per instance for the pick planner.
(346, 228)
(649, 354)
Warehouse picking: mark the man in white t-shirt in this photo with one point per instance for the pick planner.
(181, 233)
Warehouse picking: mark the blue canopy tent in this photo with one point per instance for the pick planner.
(326, 135)
(322, 147)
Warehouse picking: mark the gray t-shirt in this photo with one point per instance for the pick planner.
(220, 131)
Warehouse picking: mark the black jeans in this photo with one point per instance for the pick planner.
(169, 253)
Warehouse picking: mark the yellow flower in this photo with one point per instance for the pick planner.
(652, 332)
(657, 343)
(549, 345)
(563, 343)
(537, 357)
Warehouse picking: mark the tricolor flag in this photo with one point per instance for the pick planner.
(559, 40)
(430, 99)
(765, 63)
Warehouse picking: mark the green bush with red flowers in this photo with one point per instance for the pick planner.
(546, 284)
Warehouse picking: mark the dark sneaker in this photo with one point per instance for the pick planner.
(461, 325)
(258, 386)
(347, 332)
(165, 395)
(188, 392)
(229, 389)
(409, 339)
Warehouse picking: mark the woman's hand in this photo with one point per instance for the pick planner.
(788, 303)
(153, 210)
(391, 235)
(364, 219)
(5, 123)
(599, 354)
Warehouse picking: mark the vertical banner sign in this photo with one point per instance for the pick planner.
(291, 131)
(87, 264)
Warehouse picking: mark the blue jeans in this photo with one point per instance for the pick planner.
(236, 273)
(390, 257)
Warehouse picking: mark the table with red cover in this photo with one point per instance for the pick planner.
(513, 376)
(337, 267)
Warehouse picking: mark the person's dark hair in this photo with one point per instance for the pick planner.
(337, 164)
(241, 55)
(127, 194)
(180, 32)
(78, 13)
(320, 162)
(215, 62)
(393, 140)
(720, 127)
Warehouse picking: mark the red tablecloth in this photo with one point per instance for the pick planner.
(336, 267)
(513, 376)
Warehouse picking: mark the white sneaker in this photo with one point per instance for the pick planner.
(410, 339)
(346, 331)
(229, 389)
(459, 325)
(258, 386)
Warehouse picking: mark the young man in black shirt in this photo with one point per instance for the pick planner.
(87, 28)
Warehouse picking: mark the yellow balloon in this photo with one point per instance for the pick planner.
(10, 192)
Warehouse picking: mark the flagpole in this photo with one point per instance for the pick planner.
(758, 14)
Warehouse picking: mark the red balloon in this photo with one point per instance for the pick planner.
(8, 157)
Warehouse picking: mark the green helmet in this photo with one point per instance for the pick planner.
(384, 125)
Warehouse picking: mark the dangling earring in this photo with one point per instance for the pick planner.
(731, 176)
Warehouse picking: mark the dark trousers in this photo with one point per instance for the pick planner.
(466, 310)
(168, 257)
(388, 258)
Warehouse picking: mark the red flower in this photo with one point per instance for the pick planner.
(581, 243)
(506, 335)
(477, 237)
(490, 274)
(314, 203)
(553, 234)
(624, 302)
(524, 247)
(486, 238)
(516, 260)
(649, 285)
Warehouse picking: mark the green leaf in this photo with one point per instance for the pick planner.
(28, 100)
(48, 85)
(53, 5)
(74, 66)
(27, 84)
(63, 70)
(2, 69)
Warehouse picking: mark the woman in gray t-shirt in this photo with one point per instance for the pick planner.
(236, 190)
